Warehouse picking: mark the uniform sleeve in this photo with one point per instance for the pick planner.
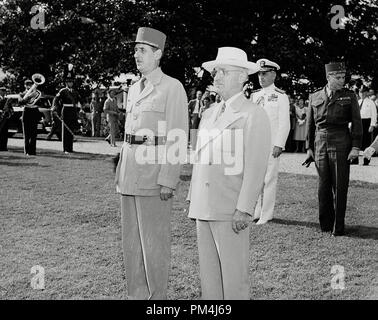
(310, 127)
(176, 118)
(283, 121)
(57, 102)
(356, 129)
(257, 147)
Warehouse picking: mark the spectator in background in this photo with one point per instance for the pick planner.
(373, 98)
(112, 116)
(300, 126)
(289, 146)
(96, 110)
(205, 105)
(369, 119)
(212, 99)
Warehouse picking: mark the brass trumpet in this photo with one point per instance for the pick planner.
(32, 95)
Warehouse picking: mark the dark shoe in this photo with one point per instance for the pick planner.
(366, 162)
(108, 140)
(255, 220)
(355, 161)
(338, 234)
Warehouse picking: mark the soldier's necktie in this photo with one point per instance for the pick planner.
(142, 84)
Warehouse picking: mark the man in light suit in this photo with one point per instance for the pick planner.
(230, 163)
(156, 105)
(276, 103)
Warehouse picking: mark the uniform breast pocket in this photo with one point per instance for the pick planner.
(317, 108)
(342, 110)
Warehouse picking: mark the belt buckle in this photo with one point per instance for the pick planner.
(147, 140)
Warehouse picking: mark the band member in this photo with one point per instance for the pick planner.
(156, 106)
(6, 110)
(333, 145)
(65, 107)
(222, 200)
(30, 118)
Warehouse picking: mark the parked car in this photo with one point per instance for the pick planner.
(44, 105)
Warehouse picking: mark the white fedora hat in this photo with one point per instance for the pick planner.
(231, 56)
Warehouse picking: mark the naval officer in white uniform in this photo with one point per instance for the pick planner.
(276, 103)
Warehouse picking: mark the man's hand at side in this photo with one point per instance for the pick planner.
(166, 193)
(240, 221)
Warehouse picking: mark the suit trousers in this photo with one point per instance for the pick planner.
(70, 119)
(267, 199)
(366, 135)
(331, 154)
(4, 124)
(146, 244)
(30, 118)
(96, 123)
(224, 261)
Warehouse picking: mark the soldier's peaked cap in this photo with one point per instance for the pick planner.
(334, 67)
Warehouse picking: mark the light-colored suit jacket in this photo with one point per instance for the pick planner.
(241, 135)
(163, 100)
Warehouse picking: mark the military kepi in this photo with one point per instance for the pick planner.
(334, 67)
(151, 37)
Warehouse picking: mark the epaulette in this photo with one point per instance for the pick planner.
(257, 90)
(279, 90)
(316, 90)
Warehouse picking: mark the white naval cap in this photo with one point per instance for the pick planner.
(267, 65)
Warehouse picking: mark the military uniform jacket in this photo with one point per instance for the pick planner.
(337, 113)
(65, 96)
(276, 104)
(159, 108)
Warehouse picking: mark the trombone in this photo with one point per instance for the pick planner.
(33, 95)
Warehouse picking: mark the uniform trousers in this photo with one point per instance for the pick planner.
(146, 244)
(267, 199)
(70, 119)
(331, 154)
(224, 261)
(30, 118)
(4, 124)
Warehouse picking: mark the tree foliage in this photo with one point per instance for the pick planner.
(96, 36)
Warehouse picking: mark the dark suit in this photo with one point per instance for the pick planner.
(6, 110)
(194, 117)
(65, 105)
(331, 140)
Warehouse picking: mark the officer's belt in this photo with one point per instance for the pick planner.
(155, 140)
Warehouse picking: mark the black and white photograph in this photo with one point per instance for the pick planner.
(188, 151)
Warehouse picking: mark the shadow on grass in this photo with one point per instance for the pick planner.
(25, 164)
(361, 232)
(60, 155)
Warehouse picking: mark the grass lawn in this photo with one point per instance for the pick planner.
(62, 213)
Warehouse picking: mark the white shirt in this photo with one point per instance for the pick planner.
(368, 110)
(197, 107)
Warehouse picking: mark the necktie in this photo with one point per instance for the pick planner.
(222, 110)
(142, 84)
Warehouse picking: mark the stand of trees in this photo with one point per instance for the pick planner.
(97, 35)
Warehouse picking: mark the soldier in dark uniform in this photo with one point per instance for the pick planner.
(65, 106)
(30, 118)
(6, 110)
(333, 145)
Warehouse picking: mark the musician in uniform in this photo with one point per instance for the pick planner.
(156, 105)
(333, 145)
(276, 103)
(6, 110)
(65, 107)
(30, 118)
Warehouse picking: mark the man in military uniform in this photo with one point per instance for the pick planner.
(333, 145)
(30, 118)
(6, 111)
(156, 105)
(276, 104)
(65, 107)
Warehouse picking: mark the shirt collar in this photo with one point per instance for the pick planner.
(269, 88)
(155, 76)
